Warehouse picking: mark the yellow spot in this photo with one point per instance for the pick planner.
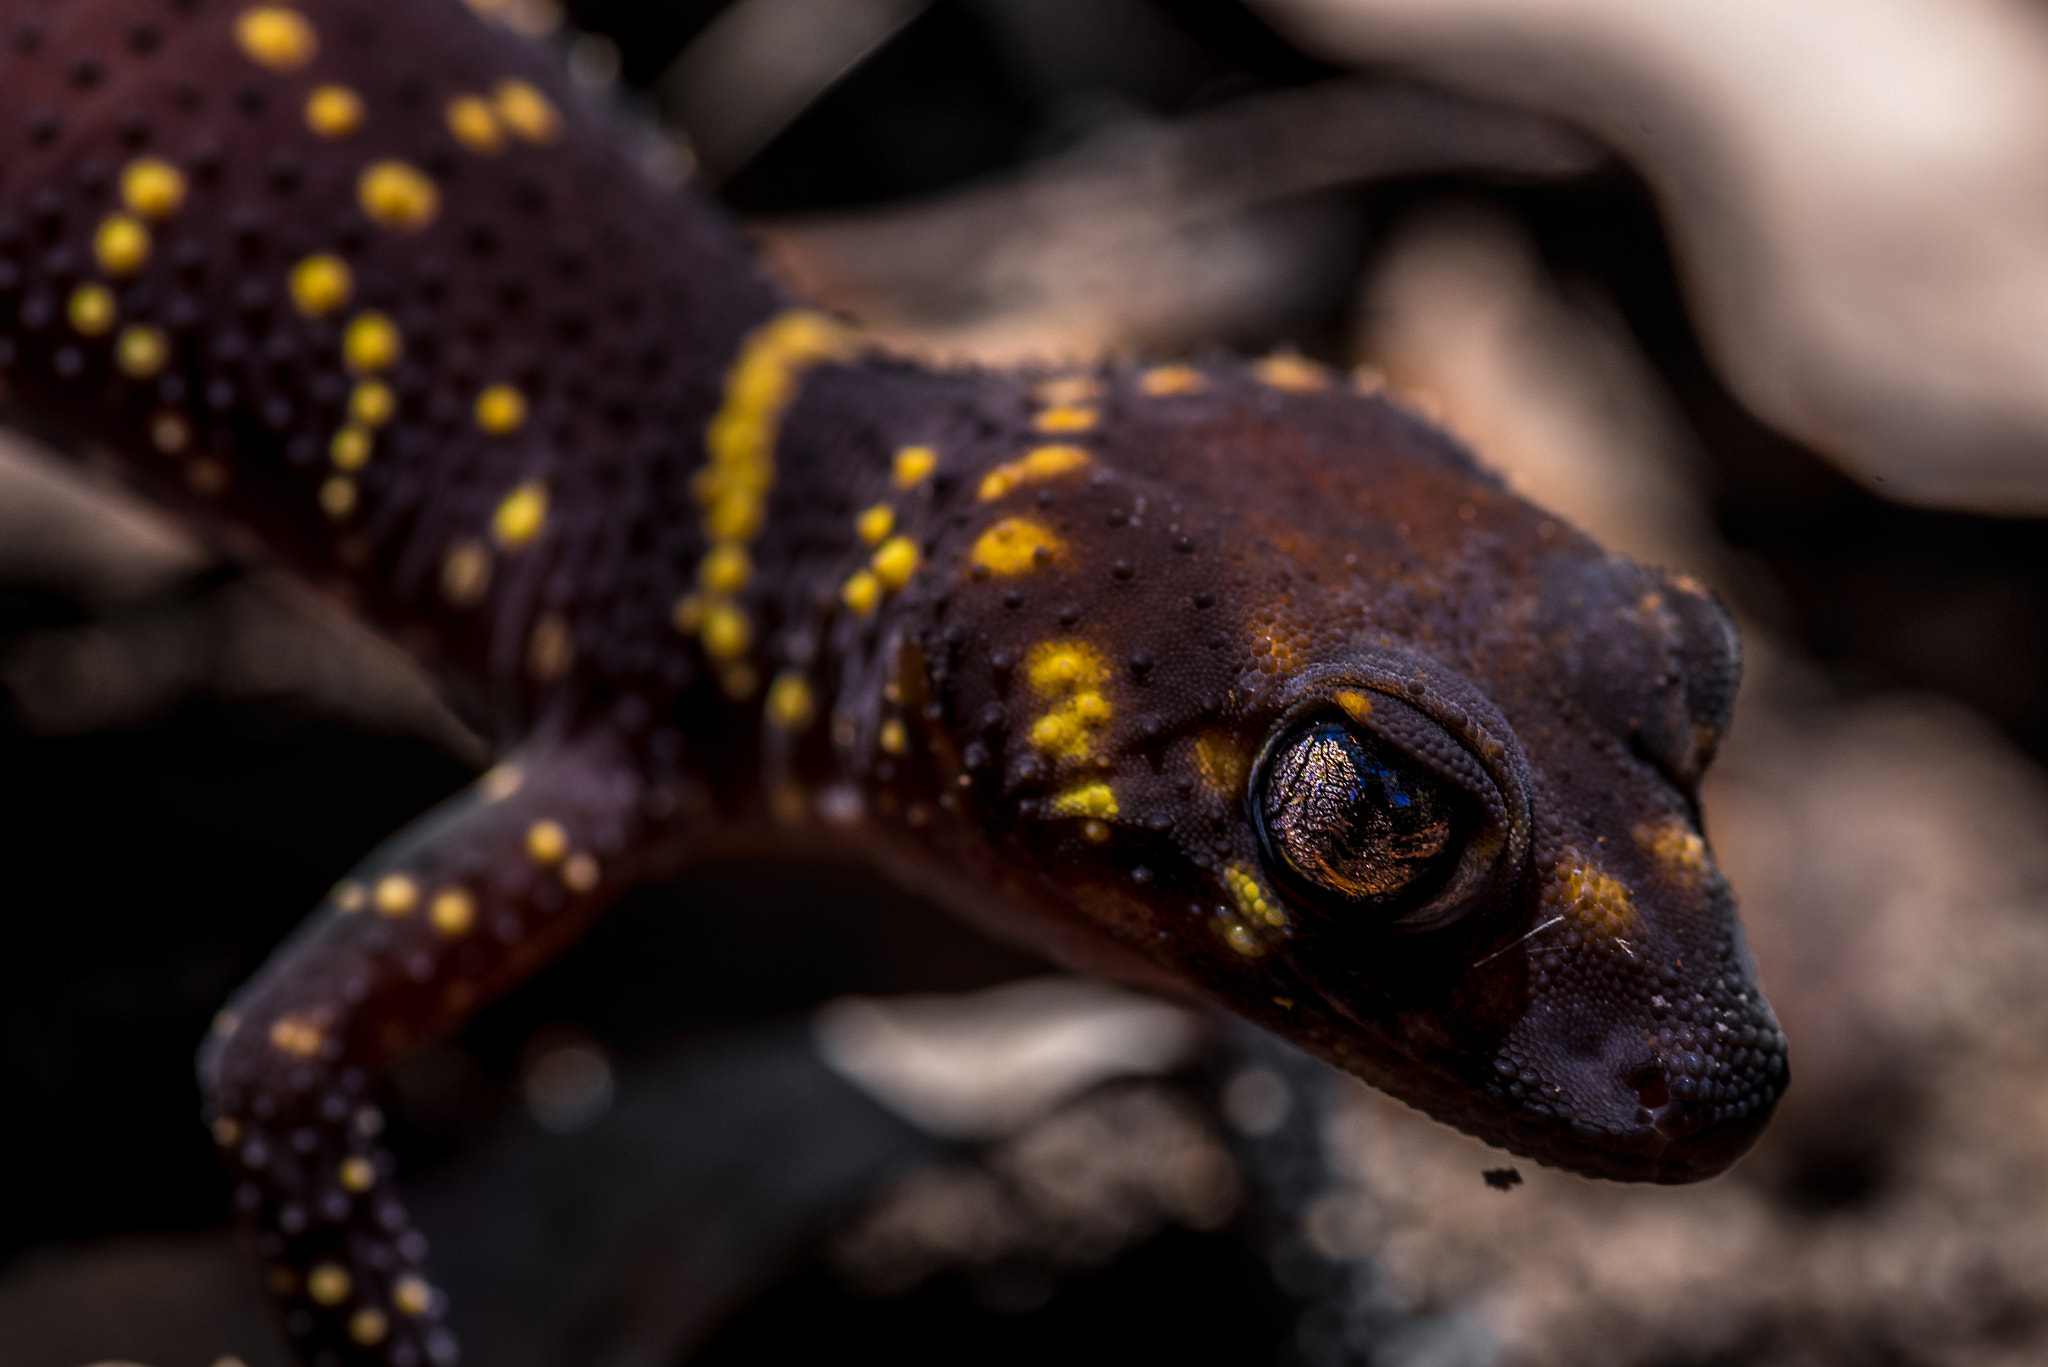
(1678, 850)
(895, 562)
(452, 912)
(412, 1296)
(726, 632)
(1356, 704)
(368, 1326)
(551, 649)
(320, 284)
(1221, 762)
(396, 895)
(521, 516)
(1066, 418)
(1070, 675)
(372, 403)
(1090, 799)
(1251, 896)
(914, 464)
(334, 111)
(546, 841)
(725, 569)
(875, 524)
(338, 497)
(328, 1283)
(526, 111)
(1096, 832)
(92, 309)
(580, 873)
(465, 573)
(398, 195)
(1594, 900)
(170, 433)
(733, 487)
(790, 704)
(1069, 389)
(121, 245)
(371, 343)
(358, 1173)
(500, 410)
(1296, 374)
(1242, 938)
(350, 448)
(152, 188)
(861, 592)
(1014, 546)
(141, 351)
(1162, 381)
(1033, 467)
(474, 125)
(275, 37)
(893, 738)
(297, 1035)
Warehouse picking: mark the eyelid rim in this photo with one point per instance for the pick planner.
(1467, 716)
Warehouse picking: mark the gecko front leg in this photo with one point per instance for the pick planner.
(461, 906)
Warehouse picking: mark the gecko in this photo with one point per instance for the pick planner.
(1232, 680)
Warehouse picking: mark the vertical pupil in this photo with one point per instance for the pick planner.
(1352, 815)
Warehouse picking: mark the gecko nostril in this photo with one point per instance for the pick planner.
(1651, 1090)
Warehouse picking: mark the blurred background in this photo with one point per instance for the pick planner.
(1754, 289)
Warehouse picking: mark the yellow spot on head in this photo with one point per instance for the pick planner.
(1242, 938)
(726, 632)
(526, 111)
(452, 912)
(465, 573)
(1066, 418)
(1071, 675)
(1014, 546)
(474, 125)
(1251, 896)
(334, 111)
(861, 593)
(395, 895)
(580, 873)
(92, 310)
(1090, 799)
(1598, 903)
(894, 739)
(368, 1326)
(121, 245)
(546, 841)
(358, 1173)
(372, 403)
(152, 188)
(320, 284)
(328, 1283)
(1162, 381)
(551, 649)
(141, 351)
(1296, 374)
(913, 465)
(398, 195)
(725, 569)
(338, 497)
(1221, 762)
(412, 1296)
(296, 1035)
(1033, 467)
(520, 516)
(1096, 832)
(350, 448)
(500, 410)
(276, 37)
(1355, 702)
(895, 562)
(790, 704)
(875, 524)
(1068, 389)
(371, 343)
(1678, 850)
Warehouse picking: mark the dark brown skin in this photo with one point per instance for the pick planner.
(1232, 681)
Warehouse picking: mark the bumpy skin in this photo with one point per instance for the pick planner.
(366, 288)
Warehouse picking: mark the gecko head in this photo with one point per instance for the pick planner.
(1271, 690)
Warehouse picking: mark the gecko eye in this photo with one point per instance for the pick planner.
(1352, 816)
